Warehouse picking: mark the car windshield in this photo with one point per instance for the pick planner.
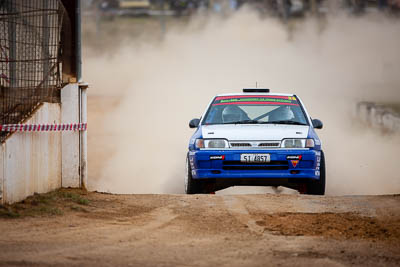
(255, 109)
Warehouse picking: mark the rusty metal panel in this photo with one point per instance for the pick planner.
(30, 57)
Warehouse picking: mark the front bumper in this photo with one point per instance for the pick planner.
(280, 167)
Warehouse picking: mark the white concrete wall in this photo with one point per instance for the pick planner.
(38, 162)
(2, 148)
(70, 139)
(31, 161)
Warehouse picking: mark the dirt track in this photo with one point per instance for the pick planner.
(207, 230)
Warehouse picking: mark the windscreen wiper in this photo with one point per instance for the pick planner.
(243, 122)
(266, 122)
(286, 122)
(248, 122)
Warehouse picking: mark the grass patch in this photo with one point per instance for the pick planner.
(49, 204)
(83, 201)
(6, 212)
(46, 210)
(78, 199)
(78, 208)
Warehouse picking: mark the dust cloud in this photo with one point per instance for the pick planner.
(160, 85)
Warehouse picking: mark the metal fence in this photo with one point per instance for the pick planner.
(30, 56)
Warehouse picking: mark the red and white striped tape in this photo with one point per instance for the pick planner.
(43, 127)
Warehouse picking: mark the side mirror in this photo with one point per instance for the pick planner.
(317, 124)
(194, 123)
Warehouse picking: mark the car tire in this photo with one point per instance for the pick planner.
(318, 187)
(191, 185)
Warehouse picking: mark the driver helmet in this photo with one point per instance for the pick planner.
(282, 114)
(231, 113)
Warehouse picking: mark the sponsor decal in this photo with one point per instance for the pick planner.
(217, 157)
(191, 161)
(318, 166)
(260, 100)
(294, 157)
(294, 163)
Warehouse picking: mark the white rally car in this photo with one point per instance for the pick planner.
(255, 138)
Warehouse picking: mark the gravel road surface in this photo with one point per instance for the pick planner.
(94, 229)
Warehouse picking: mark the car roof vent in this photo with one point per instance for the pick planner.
(256, 90)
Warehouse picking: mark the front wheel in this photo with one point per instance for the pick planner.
(191, 185)
(318, 187)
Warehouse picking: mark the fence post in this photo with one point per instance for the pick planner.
(12, 33)
(45, 44)
(82, 99)
(78, 42)
(83, 134)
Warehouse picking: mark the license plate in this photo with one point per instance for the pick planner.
(255, 158)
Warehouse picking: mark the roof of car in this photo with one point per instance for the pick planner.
(250, 94)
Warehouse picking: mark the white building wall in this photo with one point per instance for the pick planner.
(70, 139)
(31, 161)
(38, 162)
(2, 148)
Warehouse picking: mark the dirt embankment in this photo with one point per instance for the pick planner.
(75, 228)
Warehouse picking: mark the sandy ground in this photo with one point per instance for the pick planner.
(206, 230)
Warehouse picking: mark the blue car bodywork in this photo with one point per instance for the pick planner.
(221, 164)
(298, 167)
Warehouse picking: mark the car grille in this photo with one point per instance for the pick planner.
(255, 144)
(276, 144)
(238, 165)
(240, 145)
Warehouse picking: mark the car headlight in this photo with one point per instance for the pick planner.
(298, 143)
(211, 143)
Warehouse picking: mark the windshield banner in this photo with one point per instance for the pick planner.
(255, 100)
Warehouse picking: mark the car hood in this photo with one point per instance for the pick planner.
(241, 132)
